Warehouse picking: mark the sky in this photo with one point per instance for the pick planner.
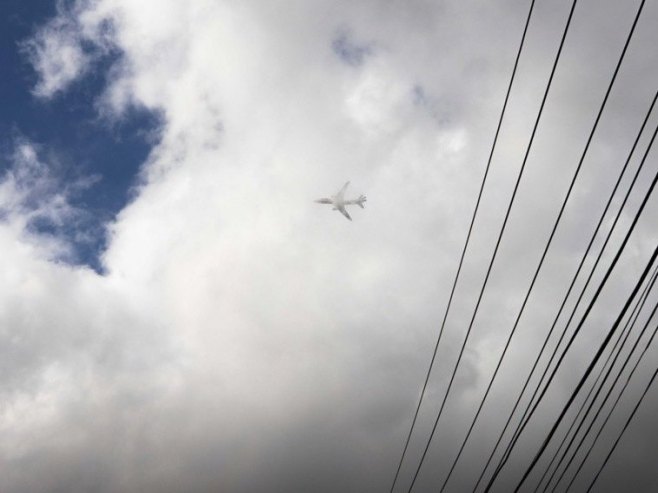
(177, 314)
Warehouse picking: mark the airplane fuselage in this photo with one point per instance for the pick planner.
(338, 202)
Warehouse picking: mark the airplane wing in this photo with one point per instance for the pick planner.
(341, 192)
(342, 210)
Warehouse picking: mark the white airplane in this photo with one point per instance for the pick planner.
(339, 202)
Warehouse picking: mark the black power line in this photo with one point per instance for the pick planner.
(584, 317)
(599, 384)
(532, 407)
(597, 387)
(614, 405)
(589, 369)
(631, 319)
(630, 418)
(568, 293)
(468, 237)
(498, 241)
(546, 249)
(610, 389)
(605, 341)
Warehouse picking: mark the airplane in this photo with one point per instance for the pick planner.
(339, 202)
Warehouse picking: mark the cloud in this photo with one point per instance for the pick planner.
(57, 54)
(39, 201)
(66, 47)
(350, 51)
(243, 338)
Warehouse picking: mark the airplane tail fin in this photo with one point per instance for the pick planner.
(361, 200)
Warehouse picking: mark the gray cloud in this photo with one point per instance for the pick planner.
(244, 339)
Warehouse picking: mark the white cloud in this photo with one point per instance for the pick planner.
(379, 101)
(33, 196)
(245, 338)
(57, 54)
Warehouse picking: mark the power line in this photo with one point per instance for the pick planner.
(599, 385)
(603, 344)
(628, 421)
(591, 304)
(546, 249)
(634, 314)
(608, 393)
(609, 363)
(588, 371)
(614, 405)
(532, 408)
(568, 293)
(463, 254)
(498, 241)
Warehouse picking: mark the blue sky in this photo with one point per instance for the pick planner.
(72, 138)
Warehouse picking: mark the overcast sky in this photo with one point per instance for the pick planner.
(176, 314)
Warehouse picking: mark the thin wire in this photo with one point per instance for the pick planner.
(546, 249)
(573, 281)
(614, 405)
(463, 254)
(530, 407)
(598, 383)
(591, 304)
(498, 241)
(604, 344)
(529, 413)
(591, 392)
(522, 424)
(594, 386)
(630, 418)
(607, 395)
